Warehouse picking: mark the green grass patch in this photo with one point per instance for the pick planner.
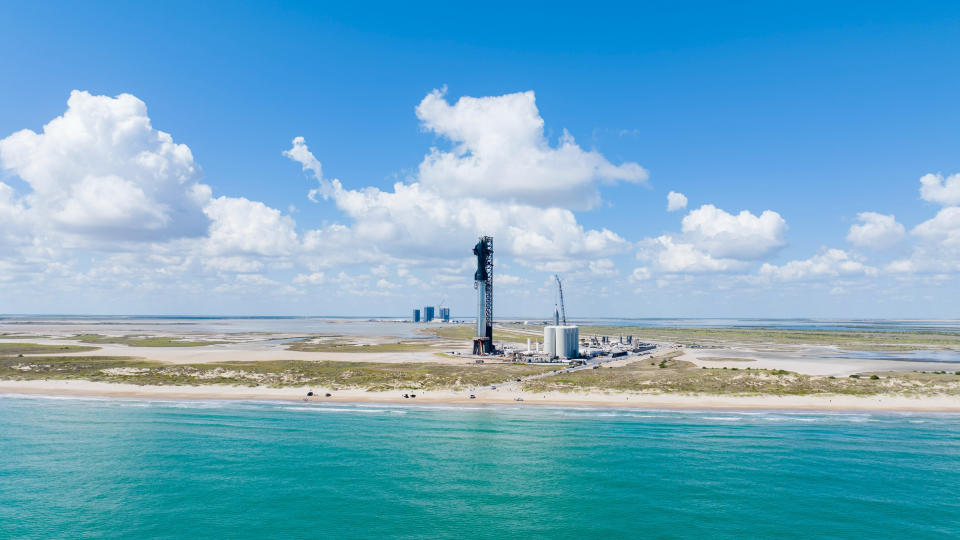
(673, 376)
(373, 376)
(13, 349)
(341, 345)
(10, 335)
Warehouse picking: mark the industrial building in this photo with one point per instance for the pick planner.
(601, 346)
(431, 313)
(561, 341)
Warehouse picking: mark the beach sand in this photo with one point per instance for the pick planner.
(487, 396)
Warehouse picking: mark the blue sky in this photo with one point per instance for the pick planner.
(816, 112)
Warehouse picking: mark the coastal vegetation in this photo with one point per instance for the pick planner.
(13, 335)
(341, 344)
(670, 375)
(661, 374)
(14, 349)
(372, 376)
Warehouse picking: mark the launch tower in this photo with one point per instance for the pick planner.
(483, 283)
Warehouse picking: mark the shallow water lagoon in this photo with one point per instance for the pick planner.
(175, 469)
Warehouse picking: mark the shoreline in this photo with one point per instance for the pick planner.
(825, 403)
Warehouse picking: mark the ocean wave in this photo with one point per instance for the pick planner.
(57, 397)
(785, 418)
(345, 410)
(607, 414)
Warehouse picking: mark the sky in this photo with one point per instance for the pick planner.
(666, 159)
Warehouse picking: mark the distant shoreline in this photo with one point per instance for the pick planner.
(825, 403)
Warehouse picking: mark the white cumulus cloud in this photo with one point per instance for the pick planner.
(743, 236)
(500, 152)
(676, 201)
(875, 231)
(14, 228)
(936, 188)
(944, 228)
(102, 170)
(936, 246)
(829, 263)
(244, 226)
(417, 218)
(674, 256)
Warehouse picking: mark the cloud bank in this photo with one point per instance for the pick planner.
(100, 200)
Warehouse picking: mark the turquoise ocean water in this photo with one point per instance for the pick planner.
(72, 468)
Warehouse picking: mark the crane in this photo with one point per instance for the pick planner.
(563, 310)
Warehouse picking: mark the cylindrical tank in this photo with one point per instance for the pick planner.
(558, 330)
(550, 340)
(568, 342)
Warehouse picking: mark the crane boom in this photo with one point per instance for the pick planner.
(563, 310)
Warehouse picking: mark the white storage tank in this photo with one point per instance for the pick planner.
(550, 340)
(568, 341)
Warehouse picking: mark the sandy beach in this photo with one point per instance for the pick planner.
(503, 396)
